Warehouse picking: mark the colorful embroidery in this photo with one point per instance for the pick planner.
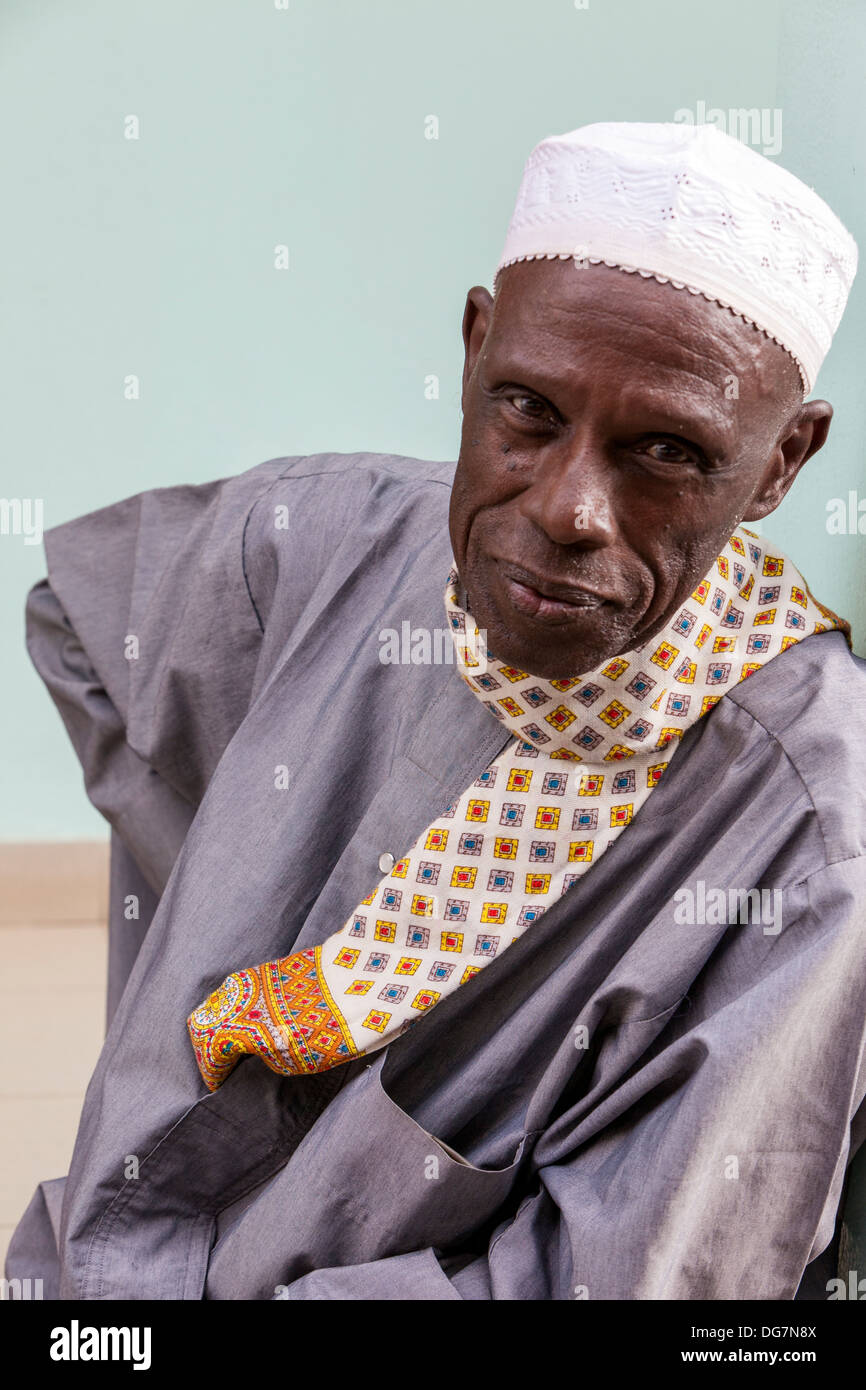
(282, 1011)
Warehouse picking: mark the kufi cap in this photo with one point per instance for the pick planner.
(692, 206)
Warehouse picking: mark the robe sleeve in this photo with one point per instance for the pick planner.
(147, 635)
(714, 1168)
(149, 817)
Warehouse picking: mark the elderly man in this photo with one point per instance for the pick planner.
(534, 971)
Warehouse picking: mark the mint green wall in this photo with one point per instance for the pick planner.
(305, 126)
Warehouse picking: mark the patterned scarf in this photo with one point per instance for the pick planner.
(587, 753)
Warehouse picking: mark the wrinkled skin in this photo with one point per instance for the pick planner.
(586, 387)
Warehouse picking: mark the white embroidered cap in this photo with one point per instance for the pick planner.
(692, 206)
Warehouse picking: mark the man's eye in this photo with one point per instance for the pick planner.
(530, 406)
(666, 451)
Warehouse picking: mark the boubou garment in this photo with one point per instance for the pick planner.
(586, 755)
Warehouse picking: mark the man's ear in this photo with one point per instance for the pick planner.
(804, 437)
(476, 321)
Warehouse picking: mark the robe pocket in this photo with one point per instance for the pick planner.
(402, 1117)
(396, 1186)
(365, 1183)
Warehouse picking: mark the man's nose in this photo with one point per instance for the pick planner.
(570, 498)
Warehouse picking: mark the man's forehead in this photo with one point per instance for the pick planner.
(573, 326)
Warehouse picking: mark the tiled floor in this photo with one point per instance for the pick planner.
(52, 1009)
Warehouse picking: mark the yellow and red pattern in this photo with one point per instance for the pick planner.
(518, 837)
(281, 1011)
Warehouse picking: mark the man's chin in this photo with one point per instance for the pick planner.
(555, 655)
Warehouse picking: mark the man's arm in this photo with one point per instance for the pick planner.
(150, 817)
(147, 637)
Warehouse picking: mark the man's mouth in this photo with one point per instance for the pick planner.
(547, 600)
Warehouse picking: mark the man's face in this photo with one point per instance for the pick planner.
(616, 432)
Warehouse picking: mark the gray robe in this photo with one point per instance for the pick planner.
(695, 1148)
